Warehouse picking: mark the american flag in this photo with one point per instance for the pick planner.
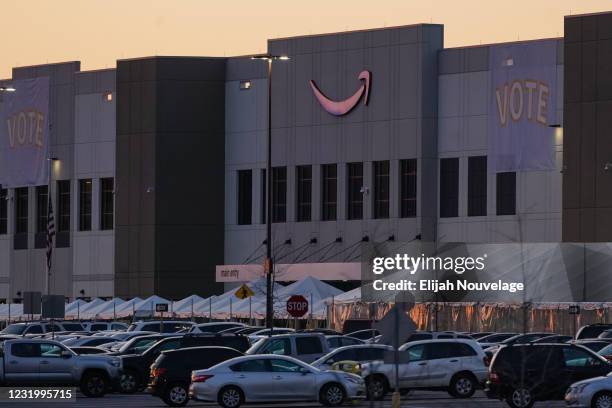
(50, 233)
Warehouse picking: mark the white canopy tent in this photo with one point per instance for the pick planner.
(108, 306)
(186, 307)
(125, 309)
(77, 311)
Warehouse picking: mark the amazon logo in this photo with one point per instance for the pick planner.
(340, 108)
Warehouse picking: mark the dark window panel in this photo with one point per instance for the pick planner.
(264, 197)
(329, 192)
(279, 194)
(21, 210)
(42, 203)
(3, 211)
(477, 186)
(381, 188)
(304, 193)
(408, 188)
(506, 193)
(85, 204)
(449, 187)
(355, 196)
(245, 193)
(63, 205)
(107, 203)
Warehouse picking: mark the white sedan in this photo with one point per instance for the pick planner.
(594, 392)
(272, 378)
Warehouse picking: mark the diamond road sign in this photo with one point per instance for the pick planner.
(244, 292)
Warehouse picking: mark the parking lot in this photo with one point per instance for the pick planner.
(417, 399)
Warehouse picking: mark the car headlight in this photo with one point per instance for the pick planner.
(114, 362)
(579, 388)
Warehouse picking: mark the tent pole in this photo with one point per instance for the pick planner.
(210, 309)
(192, 309)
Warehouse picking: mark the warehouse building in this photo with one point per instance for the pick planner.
(378, 136)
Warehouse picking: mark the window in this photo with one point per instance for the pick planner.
(408, 188)
(416, 353)
(42, 208)
(263, 196)
(85, 205)
(277, 346)
(50, 350)
(245, 191)
(98, 327)
(506, 193)
(308, 345)
(304, 192)
(251, 366)
(25, 349)
(3, 211)
(283, 366)
(449, 187)
(344, 355)
(279, 194)
(21, 210)
(63, 205)
(575, 357)
(381, 189)
(107, 203)
(333, 342)
(370, 354)
(477, 186)
(329, 192)
(355, 196)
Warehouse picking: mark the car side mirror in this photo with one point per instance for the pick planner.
(66, 354)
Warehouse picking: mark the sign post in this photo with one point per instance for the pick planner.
(297, 306)
(161, 308)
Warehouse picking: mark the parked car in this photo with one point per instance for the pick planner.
(425, 335)
(248, 330)
(494, 339)
(557, 338)
(593, 344)
(306, 347)
(362, 353)
(606, 352)
(31, 362)
(162, 326)
(522, 374)
(256, 379)
(90, 341)
(31, 328)
(365, 335)
(139, 344)
(455, 365)
(592, 331)
(214, 327)
(592, 393)
(606, 334)
(479, 335)
(256, 335)
(324, 331)
(518, 339)
(102, 326)
(136, 366)
(171, 372)
(340, 341)
(88, 350)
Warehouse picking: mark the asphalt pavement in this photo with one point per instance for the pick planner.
(418, 399)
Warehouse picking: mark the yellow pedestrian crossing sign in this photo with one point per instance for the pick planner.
(244, 292)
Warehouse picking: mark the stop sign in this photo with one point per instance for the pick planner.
(297, 306)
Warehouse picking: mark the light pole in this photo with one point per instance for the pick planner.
(268, 263)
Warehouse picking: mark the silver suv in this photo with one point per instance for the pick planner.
(44, 362)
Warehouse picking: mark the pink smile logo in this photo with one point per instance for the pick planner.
(339, 108)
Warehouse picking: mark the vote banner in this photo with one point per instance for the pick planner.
(24, 133)
(522, 106)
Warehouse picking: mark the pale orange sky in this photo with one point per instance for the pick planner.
(98, 32)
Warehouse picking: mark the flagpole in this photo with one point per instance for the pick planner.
(50, 224)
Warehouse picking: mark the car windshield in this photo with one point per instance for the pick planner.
(138, 345)
(606, 351)
(72, 326)
(14, 329)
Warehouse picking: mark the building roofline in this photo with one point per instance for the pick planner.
(596, 13)
(365, 30)
(169, 57)
(95, 70)
(47, 64)
(502, 43)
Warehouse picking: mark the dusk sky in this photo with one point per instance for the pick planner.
(98, 32)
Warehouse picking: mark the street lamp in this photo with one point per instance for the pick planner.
(269, 265)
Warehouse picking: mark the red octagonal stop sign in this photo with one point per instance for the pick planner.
(297, 306)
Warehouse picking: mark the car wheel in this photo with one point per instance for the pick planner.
(376, 387)
(462, 386)
(332, 395)
(230, 397)
(520, 398)
(128, 383)
(94, 385)
(176, 395)
(602, 400)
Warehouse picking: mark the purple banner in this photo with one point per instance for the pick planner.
(522, 106)
(24, 134)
